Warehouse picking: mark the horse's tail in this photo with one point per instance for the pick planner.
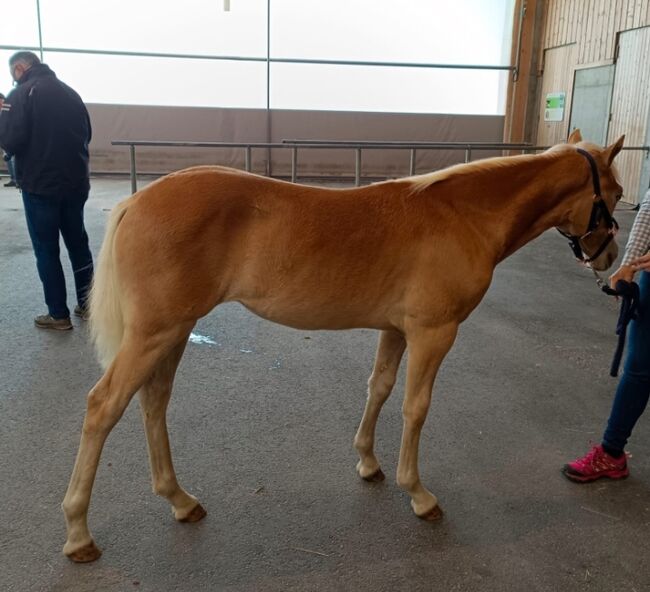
(106, 318)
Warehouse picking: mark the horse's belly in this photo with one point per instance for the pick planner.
(316, 317)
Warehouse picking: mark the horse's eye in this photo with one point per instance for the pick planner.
(619, 196)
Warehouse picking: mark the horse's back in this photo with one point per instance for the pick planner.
(303, 256)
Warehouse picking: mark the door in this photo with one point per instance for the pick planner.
(592, 99)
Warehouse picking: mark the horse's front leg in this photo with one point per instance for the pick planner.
(427, 348)
(389, 354)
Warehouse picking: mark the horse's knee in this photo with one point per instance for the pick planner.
(415, 414)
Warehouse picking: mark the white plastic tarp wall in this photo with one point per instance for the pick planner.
(120, 122)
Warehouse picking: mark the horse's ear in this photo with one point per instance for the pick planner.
(611, 151)
(575, 137)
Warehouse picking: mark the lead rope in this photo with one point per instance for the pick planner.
(629, 293)
(630, 296)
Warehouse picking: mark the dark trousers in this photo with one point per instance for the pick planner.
(634, 387)
(47, 216)
(11, 169)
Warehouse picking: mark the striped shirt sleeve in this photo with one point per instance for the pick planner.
(639, 242)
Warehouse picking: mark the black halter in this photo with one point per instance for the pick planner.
(598, 211)
(629, 292)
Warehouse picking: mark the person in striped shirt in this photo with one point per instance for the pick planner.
(608, 459)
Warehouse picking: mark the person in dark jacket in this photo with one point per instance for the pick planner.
(45, 125)
(8, 158)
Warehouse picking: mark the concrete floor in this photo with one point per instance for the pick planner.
(262, 423)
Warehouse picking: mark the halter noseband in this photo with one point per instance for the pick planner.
(599, 209)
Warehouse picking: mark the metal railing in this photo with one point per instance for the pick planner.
(296, 145)
(358, 146)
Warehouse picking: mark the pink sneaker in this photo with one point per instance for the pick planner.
(596, 464)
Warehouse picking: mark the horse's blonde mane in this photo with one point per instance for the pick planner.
(421, 182)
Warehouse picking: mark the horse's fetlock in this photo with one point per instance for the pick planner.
(362, 443)
(407, 480)
(165, 487)
(72, 507)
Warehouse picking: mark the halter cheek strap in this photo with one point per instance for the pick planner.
(599, 209)
(594, 170)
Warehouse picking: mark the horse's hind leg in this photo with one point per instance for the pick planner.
(389, 354)
(137, 359)
(154, 398)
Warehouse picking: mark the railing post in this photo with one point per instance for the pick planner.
(412, 163)
(468, 154)
(294, 163)
(247, 159)
(134, 181)
(357, 167)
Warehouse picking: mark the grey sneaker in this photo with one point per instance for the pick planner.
(48, 322)
(82, 312)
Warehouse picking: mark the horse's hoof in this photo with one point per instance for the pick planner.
(433, 514)
(85, 554)
(195, 515)
(376, 477)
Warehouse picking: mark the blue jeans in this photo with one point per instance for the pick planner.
(47, 216)
(634, 387)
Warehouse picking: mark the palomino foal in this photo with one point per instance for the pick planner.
(411, 258)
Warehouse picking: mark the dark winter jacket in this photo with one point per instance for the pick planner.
(46, 126)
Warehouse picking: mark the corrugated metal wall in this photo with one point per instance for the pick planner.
(558, 75)
(584, 33)
(630, 107)
(593, 25)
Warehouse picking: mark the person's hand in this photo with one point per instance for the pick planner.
(624, 272)
(641, 263)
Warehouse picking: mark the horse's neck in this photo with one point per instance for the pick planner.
(527, 198)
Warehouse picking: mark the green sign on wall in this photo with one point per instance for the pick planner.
(554, 110)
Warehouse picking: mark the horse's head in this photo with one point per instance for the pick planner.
(590, 225)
